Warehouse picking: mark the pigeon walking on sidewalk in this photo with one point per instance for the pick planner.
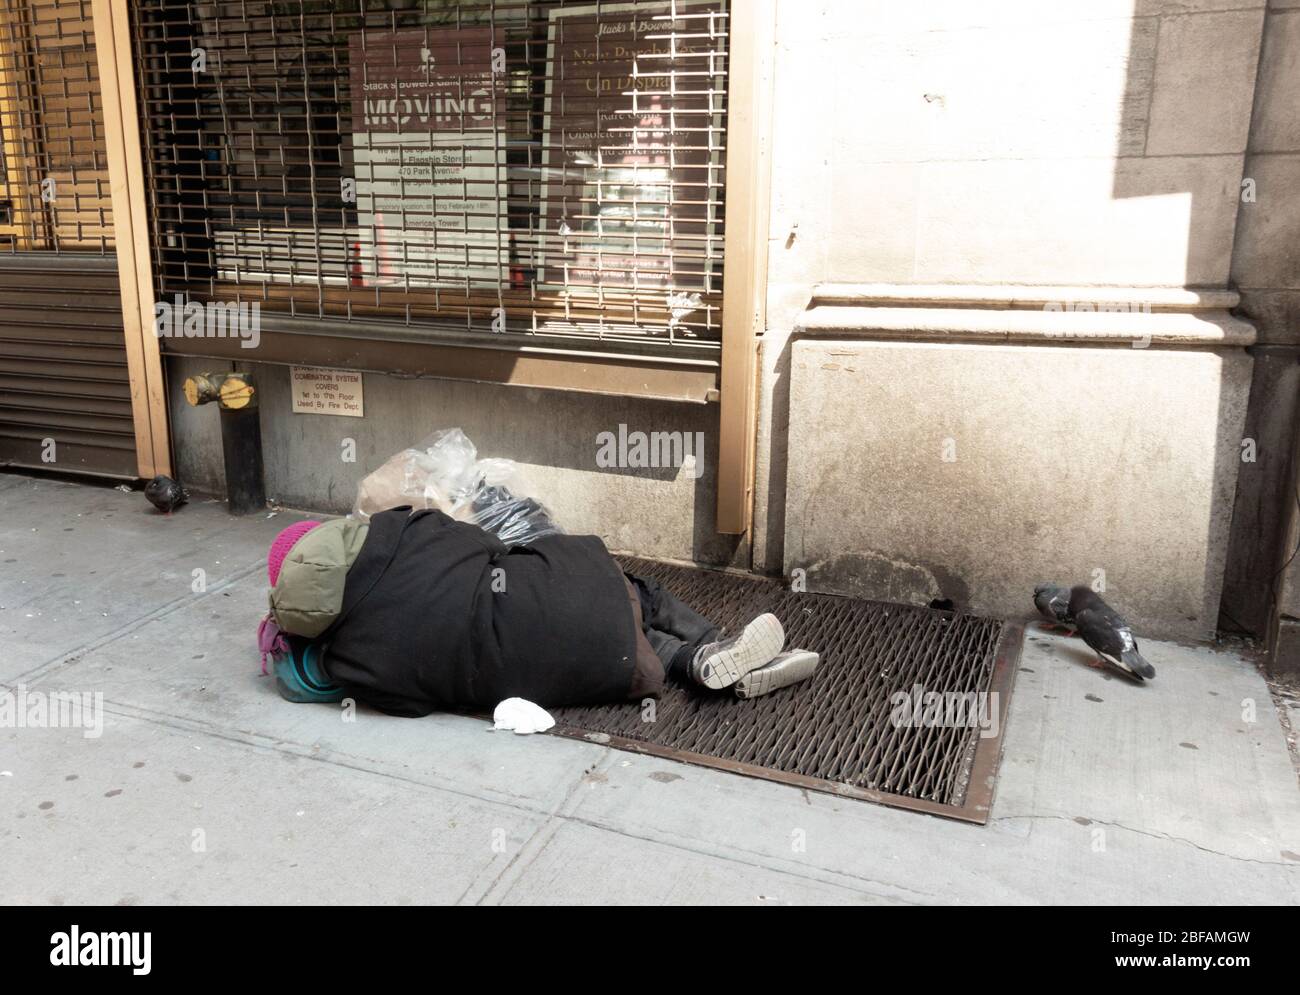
(1102, 628)
(165, 494)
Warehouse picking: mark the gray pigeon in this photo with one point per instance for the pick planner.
(1053, 603)
(1105, 631)
(165, 494)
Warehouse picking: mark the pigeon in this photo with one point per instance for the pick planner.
(165, 494)
(1053, 603)
(1102, 628)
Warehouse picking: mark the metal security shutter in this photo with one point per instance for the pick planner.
(63, 374)
(65, 399)
(544, 172)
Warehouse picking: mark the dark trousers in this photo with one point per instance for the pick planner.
(673, 628)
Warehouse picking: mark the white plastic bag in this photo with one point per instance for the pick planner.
(521, 716)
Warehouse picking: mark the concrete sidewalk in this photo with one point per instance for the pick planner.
(206, 787)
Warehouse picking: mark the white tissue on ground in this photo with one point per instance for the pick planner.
(521, 717)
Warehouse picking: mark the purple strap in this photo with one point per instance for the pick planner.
(270, 640)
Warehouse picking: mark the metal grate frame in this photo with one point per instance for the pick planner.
(831, 733)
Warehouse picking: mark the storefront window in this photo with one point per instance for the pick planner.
(550, 169)
(54, 188)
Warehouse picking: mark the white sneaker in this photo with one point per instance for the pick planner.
(786, 669)
(719, 665)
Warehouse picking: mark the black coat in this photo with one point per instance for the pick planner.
(440, 614)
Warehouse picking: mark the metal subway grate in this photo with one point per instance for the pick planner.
(833, 732)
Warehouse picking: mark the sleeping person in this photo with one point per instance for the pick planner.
(415, 612)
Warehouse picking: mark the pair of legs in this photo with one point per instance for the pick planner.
(674, 630)
(691, 650)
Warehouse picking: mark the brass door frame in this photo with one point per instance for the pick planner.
(131, 235)
(744, 288)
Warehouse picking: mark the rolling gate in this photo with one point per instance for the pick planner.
(65, 394)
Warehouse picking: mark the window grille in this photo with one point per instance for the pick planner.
(550, 169)
(54, 186)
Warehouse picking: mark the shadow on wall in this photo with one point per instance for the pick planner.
(1172, 194)
(1184, 132)
(1266, 270)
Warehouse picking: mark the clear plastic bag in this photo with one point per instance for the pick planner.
(452, 461)
(444, 472)
(406, 478)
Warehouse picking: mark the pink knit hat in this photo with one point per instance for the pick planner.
(281, 546)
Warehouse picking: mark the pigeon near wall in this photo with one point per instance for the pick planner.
(165, 494)
(1102, 628)
(1053, 603)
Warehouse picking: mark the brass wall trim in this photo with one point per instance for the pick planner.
(135, 272)
(744, 288)
(661, 378)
